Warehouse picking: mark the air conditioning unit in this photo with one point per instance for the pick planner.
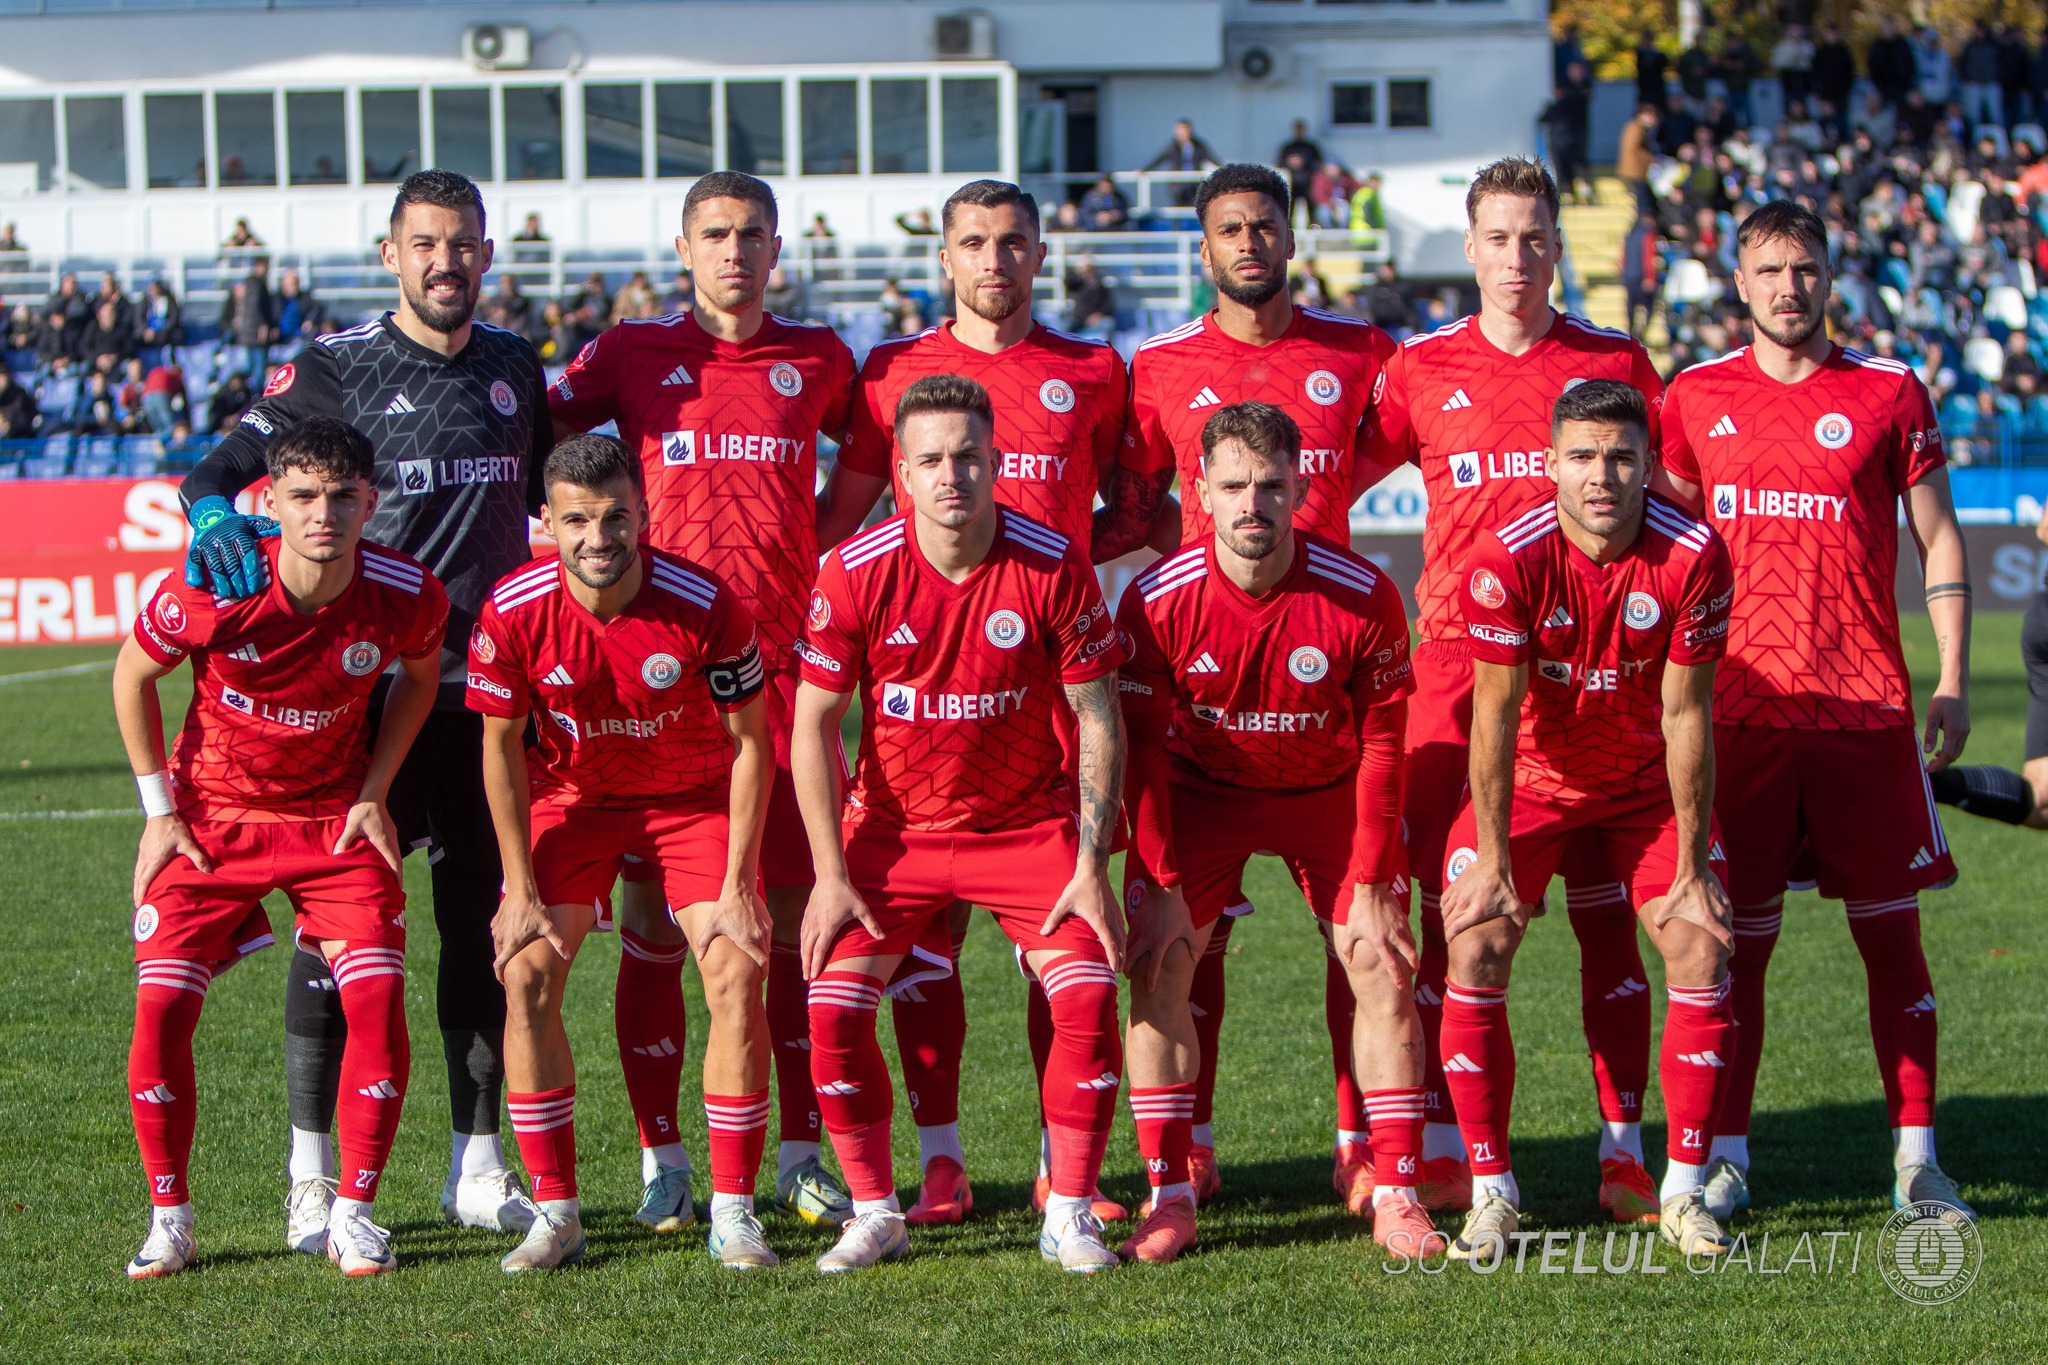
(498, 47)
(967, 35)
(1261, 63)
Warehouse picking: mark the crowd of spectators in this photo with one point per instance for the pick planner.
(1930, 169)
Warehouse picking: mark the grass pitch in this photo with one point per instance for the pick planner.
(1282, 1271)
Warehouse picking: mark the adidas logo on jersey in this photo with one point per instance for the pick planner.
(156, 1094)
(839, 1088)
(1924, 1005)
(1557, 620)
(247, 654)
(1425, 996)
(677, 376)
(664, 1048)
(1626, 989)
(399, 406)
(382, 1090)
(1707, 1058)
(1205, 664)
(1205, 399)
(558, 676)
(1455, 401)
(1461, 1062)
(1724, 427)
(902, 635)
(1106, 1081)
(1921, 859)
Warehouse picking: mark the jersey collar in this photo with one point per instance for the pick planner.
(273, 549)
(397, 337)
(974, 575)
(1243, 602)
(1833, 361)
(762, 336)
(1215, 330)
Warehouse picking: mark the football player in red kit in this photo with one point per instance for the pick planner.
(1804, 450)
(1320, 368)
(653, 741)
(1594, 619)
(271, 788)
(957, 623)
(724, 405)
(1059, 402)
(1470, 405)
(1265, 703)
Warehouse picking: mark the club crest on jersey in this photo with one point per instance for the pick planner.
(1465, 469)
(146, 920)
(1459, 863)
(503, 399)
(785, 379)
(1834, 431)
(1641, 611)
(361, 659)
(661, 671)
(1308, 664)
(820, 614)
(482, 646)
(1057, 395)
(899, 701)
(170, 613)
(1004, 628)
(282, 380)
(679, 447)
(1486, 589)
(1323, 388)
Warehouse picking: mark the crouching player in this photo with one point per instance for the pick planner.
(271, 788)
(959, 623)
(1265, 700)
(647, 674)
(1596, 618)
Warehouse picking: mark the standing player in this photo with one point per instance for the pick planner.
(1265, 704)
(1321, 370)
(1059, 403)
(272, 788)
(1804, 450)
(723, 405)
(456, 411)
(1470, 404)
(957, 623)
(1595, 618)
(649, 675)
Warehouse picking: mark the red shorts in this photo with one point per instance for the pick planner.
(578, 851)
(1858, 801)
(908, 877)
(785, 848)
(1637, 833)
(217, 917)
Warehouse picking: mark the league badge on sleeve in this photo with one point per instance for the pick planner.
(1486, 589)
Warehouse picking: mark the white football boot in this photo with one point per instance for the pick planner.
(168, 1248)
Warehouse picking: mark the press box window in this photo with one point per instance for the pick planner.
(1408, 104)
(1354, 104)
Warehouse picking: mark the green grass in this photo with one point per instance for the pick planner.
(1282, 1272)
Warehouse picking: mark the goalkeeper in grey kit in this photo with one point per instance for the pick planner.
(457, 412)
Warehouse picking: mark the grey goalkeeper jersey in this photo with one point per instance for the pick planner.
(460, 441)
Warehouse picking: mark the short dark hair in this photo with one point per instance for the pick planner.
(1242, 177)
(1522, 177)
(1261, 428)
(988, 194)
(944, 393)
(1783, 220)
(731, 185)
(446, 189)
(1601, 400)
(591, 461)
(326, 446)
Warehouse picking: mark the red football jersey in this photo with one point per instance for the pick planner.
(1322, 372)
(1804, 481)
(1264, 692)
(960, 683)
(627, 711)
(1596, 638)
(728, 435)
(275, 729)
(1476, 421)
(1059, 402)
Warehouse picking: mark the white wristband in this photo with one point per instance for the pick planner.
(156, 795)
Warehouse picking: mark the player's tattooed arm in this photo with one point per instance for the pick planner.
(1696, 894)
(1124, 522)
(1945, 568)
(140, 714)
(1102, 763)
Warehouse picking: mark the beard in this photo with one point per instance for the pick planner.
(443, 318)
(992, 309)
(1250, 293)
(601, 580)
(1788, 330)
(1250, 537)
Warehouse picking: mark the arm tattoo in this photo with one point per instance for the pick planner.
(1937, 591)
(1125, 520)
(1102, 762)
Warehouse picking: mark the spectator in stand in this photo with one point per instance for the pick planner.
(163, 399)
(1983, 92)
(1737, 66)
(1641, 272)
(1695, 66)
(1330, 193)
(820, 230)
(107, 341)
(510, 309)
(586, 313)
(1834, 68)
(1298, 160)
(110, 292)
(1091, 303)
(58, 389)
(530, 245)
(1876, 118)
(1934, 72)
(128, 399)
(244, 328)
(1368, 214)
(1104, 208)
(1067, 218)
(300, 316)
(1891, 61)
(162, 320)
(11, 245)
(21, 328)
(1651, 68)
(1564, 126)
(230, 399)
(1564, 51)
(57, 340)
(901, 316)
(1676, 128)
(94, 411)
(2015, 75)
(784, 296)
(682, 294)
(635, 300)
(1186, 153)
(2040, 79)
(1718, 119)
(917, 223)
(69, 300)
(1385, 304)
(1792, 62)
(18, 411)
(243, 238)
(1632, 157)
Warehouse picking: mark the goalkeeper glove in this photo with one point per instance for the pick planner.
(225, 558)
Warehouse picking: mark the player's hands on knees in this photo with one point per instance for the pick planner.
(368, 820)
(833, 906)
(1088, 895)
(1376, 931)
(741, 915)
(521, 919)
(1698, 900)
(1160, 920)
(1483, 893)
(164, 837)
(1948, 729)
(225, 557)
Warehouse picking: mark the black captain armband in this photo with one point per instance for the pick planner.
(737, 679)
(1937, 591)
(1991, 792)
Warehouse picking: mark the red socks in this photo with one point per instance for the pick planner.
(544, 1121)
(1037, 1031)
(789, 1036)
(1083, 1071)
(1205, 1003)
(1903, 1027)
(162, 1093)
(1431, 973)
(1692, 1067)
(376, 1062)
(739, 1133)
(853, 1090)
(1164, 1115)
(1478, 1056)
(649, 1020)
(1340, 1011)
(931, 1033)
(1396, 1116)
(1756, 934)
(1614, 998)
